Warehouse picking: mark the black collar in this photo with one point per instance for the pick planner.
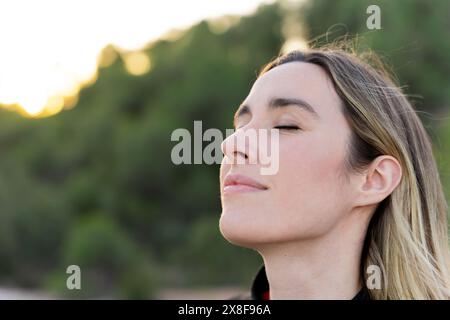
(260, 288)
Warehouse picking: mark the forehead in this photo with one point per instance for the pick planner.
(297, 80)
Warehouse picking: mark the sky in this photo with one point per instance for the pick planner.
(49, 49)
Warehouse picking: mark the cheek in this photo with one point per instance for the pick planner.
(309, 163)
(308, 188)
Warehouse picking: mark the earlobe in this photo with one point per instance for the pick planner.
(380, 179)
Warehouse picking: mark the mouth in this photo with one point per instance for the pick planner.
(237, 183)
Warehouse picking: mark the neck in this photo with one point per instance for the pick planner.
(326, 267)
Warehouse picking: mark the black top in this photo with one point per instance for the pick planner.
(260, 288)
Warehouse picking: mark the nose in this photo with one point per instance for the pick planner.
(240, 147)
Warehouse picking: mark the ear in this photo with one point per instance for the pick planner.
(378, 181)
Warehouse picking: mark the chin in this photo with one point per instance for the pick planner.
(241, 232)
(235, 231)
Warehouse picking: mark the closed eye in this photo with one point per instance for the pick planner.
(287, 127)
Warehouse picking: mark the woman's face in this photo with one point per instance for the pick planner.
(308, 195)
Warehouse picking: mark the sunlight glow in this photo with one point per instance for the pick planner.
(50, 49)
(137, 63)
(294, 44)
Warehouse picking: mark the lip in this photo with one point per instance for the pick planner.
(238, 183)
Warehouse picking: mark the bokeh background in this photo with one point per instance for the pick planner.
(88, 105)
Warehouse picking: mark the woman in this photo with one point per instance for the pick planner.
(356, 209)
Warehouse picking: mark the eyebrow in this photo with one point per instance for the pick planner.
(276, 103)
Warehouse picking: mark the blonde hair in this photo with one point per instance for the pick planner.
(407, 237)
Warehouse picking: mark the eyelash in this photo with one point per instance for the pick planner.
(291, 128)
(287, 127)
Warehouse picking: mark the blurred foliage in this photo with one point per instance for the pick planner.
(110, 262)
(95, 185)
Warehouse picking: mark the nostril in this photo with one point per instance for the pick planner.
(238, 153)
